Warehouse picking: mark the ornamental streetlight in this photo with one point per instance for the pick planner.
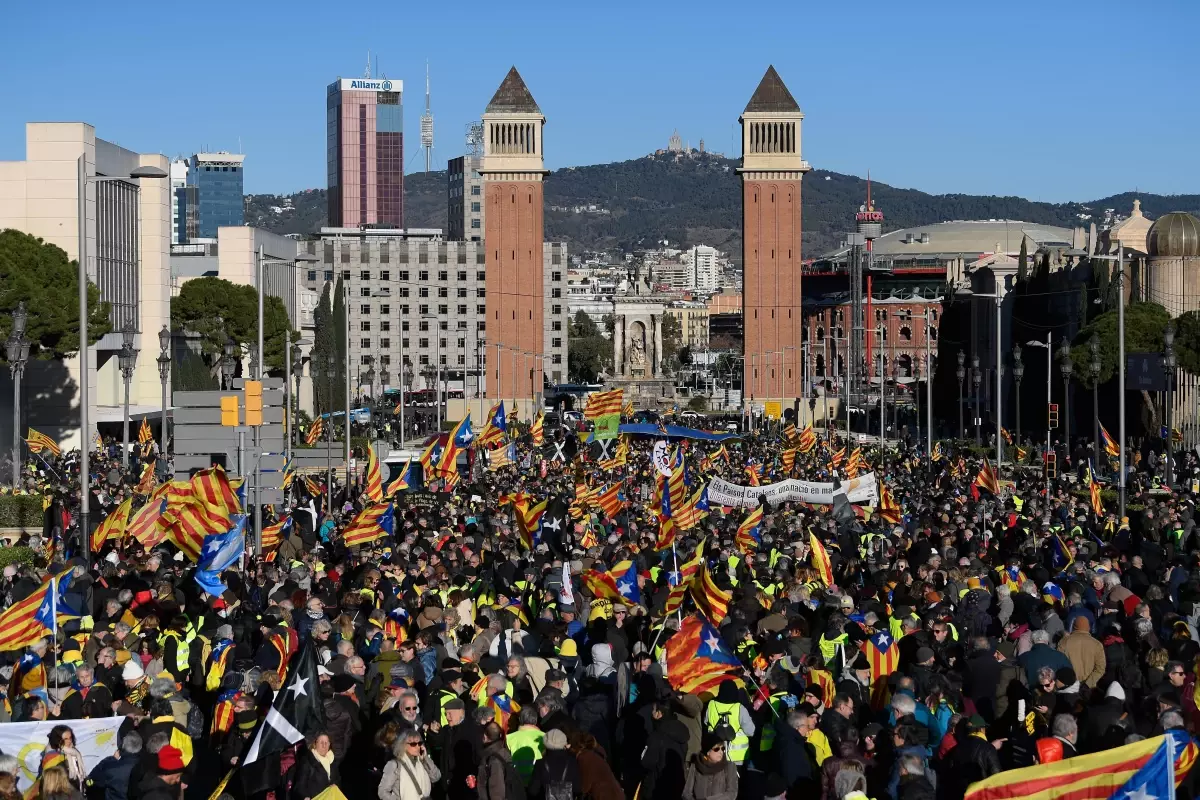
(976, 379)
(17, 349)
(1094, 370)
(1066, 368)
(960, 373)
(128, 361)
(1018, 373)
(164, 374)
(228, 365)
(1168, 363)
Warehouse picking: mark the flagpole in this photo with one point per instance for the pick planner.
(54, 624)
(1170, 765)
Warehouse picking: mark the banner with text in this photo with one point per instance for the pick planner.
(862, 491)
(96, 739)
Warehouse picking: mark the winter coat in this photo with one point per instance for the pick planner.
(112, 776)
(152, 787)
(971, 760)
(916, 787)
(411, 780)
(342, 721)
(722, 785)
(595, 711)
(665, 759)
(1086, 656)
(1042, 655)
(309, 778)
(795, 760)
(982, 681)
(597, 781)
(557, 766)
(490, 779)
(689, 710)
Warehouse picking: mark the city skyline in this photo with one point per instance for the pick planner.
(940, 112)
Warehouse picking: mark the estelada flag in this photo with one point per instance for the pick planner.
(186, 523)
(883, 654)
(143, 525)
(25, 622)
(808, 439)
(682, 581)
(373, 522)
(986, 479)
(666, 533)
(1111, 448)
(611, 501)
(748, 537)
(820, 559)
(889, 509)
(537, 430)
(529, 517)
(374, 490)
(496, 428)
(710, 599)
(37, 442)
(697, 659)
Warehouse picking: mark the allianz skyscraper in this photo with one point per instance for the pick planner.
(365, 152)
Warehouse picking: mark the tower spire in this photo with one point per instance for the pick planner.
(869, 206)
(427, 125)
(367, 71)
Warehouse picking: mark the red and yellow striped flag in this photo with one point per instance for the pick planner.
(610, 501)
(711, 601)
(603, 404)
(113, 526)
(143, 525)
(807, 440)
(212, 488)
(889, 509)
(788, 460)
(986, 479)
(29, 620)
(537, 433)
(374, 491)
(144, 434)
(820, 559)
(37, 442)
(315, 430)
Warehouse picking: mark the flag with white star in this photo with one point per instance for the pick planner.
(883, 654)
(296, 712)
(220, 551)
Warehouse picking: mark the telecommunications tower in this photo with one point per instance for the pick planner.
(427, 125)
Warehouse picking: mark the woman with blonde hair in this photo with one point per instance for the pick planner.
(411, 773)
(56, 784)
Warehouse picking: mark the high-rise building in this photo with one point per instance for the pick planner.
(517, 281)
(464, 199)
(219, 199)
(706, 271)
(772, 169)
(365, 152)
(179, 171)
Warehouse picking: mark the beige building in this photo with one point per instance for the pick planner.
(1131, 231)
(692, 316)
(128, 229)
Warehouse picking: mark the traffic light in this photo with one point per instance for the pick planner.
(254, 403)
(1051, 464)
(229, 410)
(1053, 416)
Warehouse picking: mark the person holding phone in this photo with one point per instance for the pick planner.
(411, 773)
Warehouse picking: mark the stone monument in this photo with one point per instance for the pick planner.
(637, 344)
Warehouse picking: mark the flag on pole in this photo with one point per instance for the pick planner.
(889, 509)
(807, 440)
(144, 434)
(710, 599)
(986, 479)
(937, 454)
(374, 490)
(619, 583)
(529, 518)
(113, 526)
(537, 432)
(315, 430)
(37, 442)
(883, 654)
(611, 501)
(697, 660)
(296, 712)
(27, 621)
(820, 559)
(373, 522)
(748, 536)
(273, 535)
(1111, 448)
(458, 440)
(604, 409)
(495, 430)
(221, 551)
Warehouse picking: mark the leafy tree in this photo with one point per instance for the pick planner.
(217, 310)
(1144, 323)
(338, 335)
(189, 373)
(672, 339)
(589, 353)
(324, 345)
(1023, 262)
(42, 276)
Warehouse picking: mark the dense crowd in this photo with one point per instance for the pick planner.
(456, 662)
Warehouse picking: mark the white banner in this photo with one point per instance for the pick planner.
(95, 739)
(862, 491)
(662, 458)
(564, 594)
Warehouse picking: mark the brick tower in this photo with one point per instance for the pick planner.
(513, 169)
(771, 173)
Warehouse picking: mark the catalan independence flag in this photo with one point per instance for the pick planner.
(1150, 768)
(820, 559)
(711, 600)
(143, 525)
(113, 526)
(889, 509)
(883, 654)
(748, 536)
(187, 523)
(273, 535)
(618, 584)
(682, 581)
(495, 430)
(697, 659)
(212, 487)
(529, 520)
(373, 522)
(537, 432)
(458, 440)
(37, 442)
(374, 491)
(807, 440)
(611, 501)
(1111, 448)
(27, 621)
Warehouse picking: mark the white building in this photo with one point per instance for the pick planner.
(179, 173)
(706, 268)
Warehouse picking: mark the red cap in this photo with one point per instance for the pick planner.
(170, 760)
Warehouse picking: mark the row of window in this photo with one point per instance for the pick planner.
(424, 360)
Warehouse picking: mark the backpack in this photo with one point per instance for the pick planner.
(723, 728)
(560, 789)
(514, 787)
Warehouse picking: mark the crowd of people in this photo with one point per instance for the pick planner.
(457, 661)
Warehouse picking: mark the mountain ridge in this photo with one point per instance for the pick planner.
(696, 199)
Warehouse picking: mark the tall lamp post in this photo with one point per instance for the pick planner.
(1018, 373)
(127, 361)
(1066, 368)
(298, 374)
(18, 355)
(976, 379)
(164, 374)
(916, 371)
(1094, 371)
(82, 181)
(228, 364)
(961, 373)
(1168, 363)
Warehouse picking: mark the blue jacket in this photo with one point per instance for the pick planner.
(1038, 656)
(894, 781)
(112, 775)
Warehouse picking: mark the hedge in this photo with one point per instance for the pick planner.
(16, 555)
(21, 511)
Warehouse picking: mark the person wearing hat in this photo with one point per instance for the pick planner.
(973, 757)
(558, 770)
(710, 774)
(164, 783)
(342, 716)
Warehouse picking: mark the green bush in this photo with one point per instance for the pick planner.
(698, 404)
(21, 511)
(16, 555)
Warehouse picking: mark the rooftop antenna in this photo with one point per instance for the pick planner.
(427, 125)
(367, 73)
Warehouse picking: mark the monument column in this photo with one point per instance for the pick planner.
(656, 324)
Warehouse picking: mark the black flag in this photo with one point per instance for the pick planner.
(555, 522)
(297, 711)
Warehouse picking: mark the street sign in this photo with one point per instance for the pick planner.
(1144, 373)
(773, 409)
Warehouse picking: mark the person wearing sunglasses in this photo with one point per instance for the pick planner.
(710, 775)
(411, 773)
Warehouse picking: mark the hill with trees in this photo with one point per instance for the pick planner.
(696, 199)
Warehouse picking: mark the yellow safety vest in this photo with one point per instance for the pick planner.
(182, 650)
(829, 647)
(527, 748)
(740, 746)
(767, 740)
(820, 744)
(444, 697)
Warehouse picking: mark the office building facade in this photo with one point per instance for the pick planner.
(464, 199)
(219, 198)
(365, 153)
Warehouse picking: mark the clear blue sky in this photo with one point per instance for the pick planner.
(1054, 100)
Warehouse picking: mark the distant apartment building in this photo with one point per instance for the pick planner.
(705, 268)
(464, 195)
(692, 317)
(210, 195)
(179, 171)
(365, 152)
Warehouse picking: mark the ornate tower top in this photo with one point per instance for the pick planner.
(512, 129)
(771, 129)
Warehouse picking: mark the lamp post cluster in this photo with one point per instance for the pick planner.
(127, 359)
(960, 373)
(1167, 360)
(1066, 368)
(976, 379)
(17, 349)
(1094, 372)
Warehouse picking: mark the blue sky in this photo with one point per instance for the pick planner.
(1048, 100)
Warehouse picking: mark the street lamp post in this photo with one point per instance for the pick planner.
(976, 379)
(18, 356)
(1018, 373)
(1168, 363)
(331, 373)
(298, 374)
(917, 395)
(960, 373)
(228, 364)
(164, 374)
(1094, 370)
(1066, 368)
(127, 361)
(82, 181)
(406, 377)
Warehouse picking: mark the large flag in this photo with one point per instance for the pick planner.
(273, 535)
(537, 432)
(315, 430)
(807, 440)
(496, 429)
(1094, 490)
(503, 456)
(986, 479)
(143, 525)
(681, 581)
(604, 409)
(37, 442)
(27, 621)
(113, 526)
(222, 550)
(748, 536)
(187, 522)
(212, 487)
(694, 510)
(458, 440)
(611, 501)
(820, 559)
(1151, 768)
(697, 660)
(889, 509)
(529, 521)
(620, 583)
(883, 654)
(374, 490)
(373, 522)
(296, 712)
(1111, 448)
(710, 599)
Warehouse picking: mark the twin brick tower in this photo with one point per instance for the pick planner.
(772, 170)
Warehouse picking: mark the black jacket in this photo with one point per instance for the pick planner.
(342, 721)
(835, 727)
(665, 759)
(795, 759)
(309, 778)
(971, 760)
(559, 766)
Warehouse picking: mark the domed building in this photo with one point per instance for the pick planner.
(1173, 262)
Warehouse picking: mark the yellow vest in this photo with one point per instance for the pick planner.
(767, 740)
(740, 746)
(182, 650)
(829, 647)
(820, 743)
(527, 748)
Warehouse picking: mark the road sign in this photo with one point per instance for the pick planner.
(773, 409)
(1143, 372)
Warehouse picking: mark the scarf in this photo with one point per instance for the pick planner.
(706, 767)
(416, 773)
(325, 761)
